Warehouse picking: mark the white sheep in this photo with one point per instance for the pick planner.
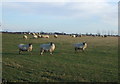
(50, 47)
(74, 36)
(56, 36)
(45, 36)
(25, 37)
(80, 46)
(39, 36)
(35, 36)
(33, 33)
(80, 35)
(25, 47)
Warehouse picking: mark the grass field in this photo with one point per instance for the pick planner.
(99, 63)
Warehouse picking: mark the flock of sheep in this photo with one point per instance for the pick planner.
(37, 35)
(50, 47)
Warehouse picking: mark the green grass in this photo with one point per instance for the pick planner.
(99, 63)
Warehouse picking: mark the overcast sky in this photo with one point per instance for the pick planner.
(83, 16)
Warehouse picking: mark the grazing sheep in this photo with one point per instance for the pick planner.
(105, 35)
(80, 35)
(50, 47)
(35, 36)
(25, 47)
(45, 36)
(102, 35)
(39, 36)
(33, 33)
(25, 37)
(74, 36)
(56, 36)
(80, 46)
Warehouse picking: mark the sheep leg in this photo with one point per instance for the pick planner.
(19, 51)
(76, 49)
(30, 53)
(83, 50)
(41, 51)
(51, 53)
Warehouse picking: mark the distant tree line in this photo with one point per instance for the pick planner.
(63, 33)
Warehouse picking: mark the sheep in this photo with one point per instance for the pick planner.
(33, 33)
(35, 36)
(80, 46)
(50, 47)
(80, 35)
(74, 36)
(39, 36)
(56, 36)
(25, 47)
(25, 37)
(104, 36)
(45, 36)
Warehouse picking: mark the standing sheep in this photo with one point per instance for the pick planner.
(33, 33)
(80, 35)
(35, 36)
(25, 37)
(80, 46)
(39, 36)
(45, 36)
(50, 47)
(25, 47)
(73, 36)
(56, 36)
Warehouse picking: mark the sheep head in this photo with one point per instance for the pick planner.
(84, 42)
(30, 44)
(51, 43)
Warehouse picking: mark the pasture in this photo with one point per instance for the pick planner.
(99, 62)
